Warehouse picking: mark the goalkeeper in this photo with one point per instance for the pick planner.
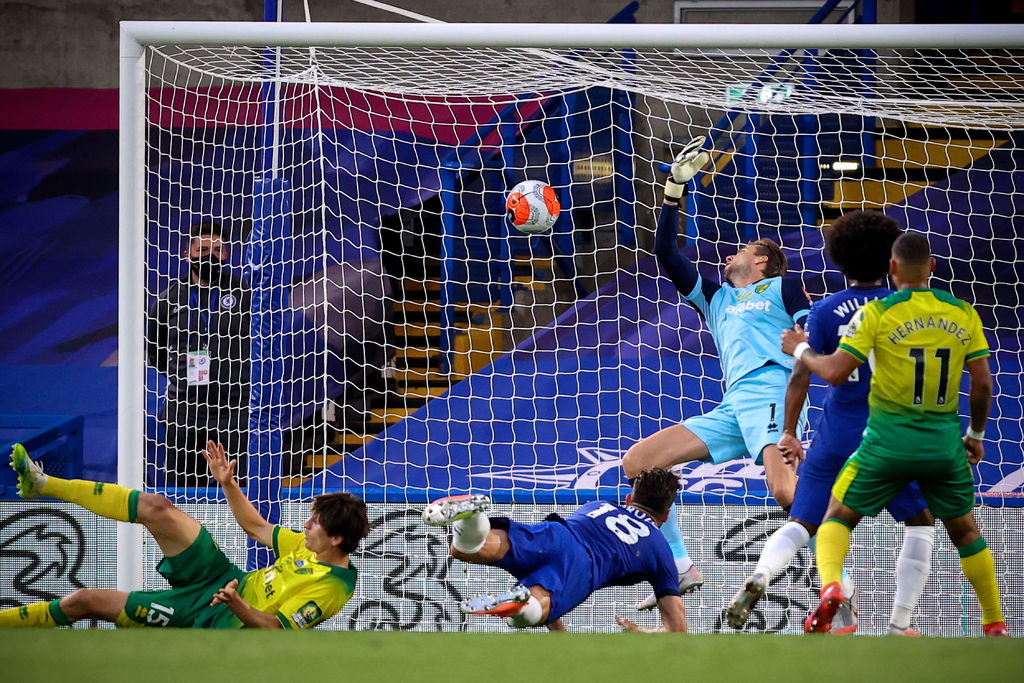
(745, 315)
(311, 580)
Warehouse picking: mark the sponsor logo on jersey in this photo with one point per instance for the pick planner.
(749, 306)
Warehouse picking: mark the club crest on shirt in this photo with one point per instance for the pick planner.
(228, 301)
(761, 289)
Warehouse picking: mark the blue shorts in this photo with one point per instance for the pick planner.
(818, 474)
(748, 418)
(548, 555)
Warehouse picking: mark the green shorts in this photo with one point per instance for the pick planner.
(869, 480)
(195, 576)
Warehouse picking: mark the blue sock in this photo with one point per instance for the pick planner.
(674, 537)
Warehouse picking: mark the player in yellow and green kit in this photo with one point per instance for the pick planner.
(310, 581)
(920, 339)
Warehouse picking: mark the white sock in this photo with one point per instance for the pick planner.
(528, 616)
(683, 564)
(781, 547)
(847, 583)
(912, 570)
(470, 534)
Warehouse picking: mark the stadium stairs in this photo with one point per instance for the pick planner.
(416, 374)
(909, 158)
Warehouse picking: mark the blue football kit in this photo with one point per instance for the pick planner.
(844, 413)
(745, 324)
(600, 544)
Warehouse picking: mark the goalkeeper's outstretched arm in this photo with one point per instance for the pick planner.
(247, 516)
(680, 269)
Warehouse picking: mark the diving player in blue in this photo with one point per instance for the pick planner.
(859, 245)
(745, 315)
(559, 562)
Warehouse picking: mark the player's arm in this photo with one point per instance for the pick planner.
(673, 613)
(556, 625)
(796, 394)
(795, 300)
(673, 617)
(246, 613)
(981, 403)
(247, 516)
(799, 379)
(834, 368)
(680, 269)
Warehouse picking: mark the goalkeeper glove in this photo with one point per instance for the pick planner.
(684, 167)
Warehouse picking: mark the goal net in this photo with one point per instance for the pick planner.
(377, 326)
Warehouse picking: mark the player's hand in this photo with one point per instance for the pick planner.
(685, 166)
(227, 595)
(791, 338)
(221, 469)
(792, 448)
(630, 627)
(975, 450)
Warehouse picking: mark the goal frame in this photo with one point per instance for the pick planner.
(135, 36)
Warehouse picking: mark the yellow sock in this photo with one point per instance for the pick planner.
(106, 500)
(833, 544)
(980, 570)
(36, 614)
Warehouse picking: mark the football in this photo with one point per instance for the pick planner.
(532, 207)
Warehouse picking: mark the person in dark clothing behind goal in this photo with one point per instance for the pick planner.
(197, 335)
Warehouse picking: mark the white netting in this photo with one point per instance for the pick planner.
(410, 345)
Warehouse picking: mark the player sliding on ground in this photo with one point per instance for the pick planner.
(859, 245)
(310, 581)
(744, 315)
(558, 563)
(920, 339)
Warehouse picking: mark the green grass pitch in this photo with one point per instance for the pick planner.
(76, 656)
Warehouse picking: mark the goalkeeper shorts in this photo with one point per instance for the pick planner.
(748, 418)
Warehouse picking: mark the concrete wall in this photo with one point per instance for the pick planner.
(73, 44)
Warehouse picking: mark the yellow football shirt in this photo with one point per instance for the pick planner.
(297, 589)
(920, 340)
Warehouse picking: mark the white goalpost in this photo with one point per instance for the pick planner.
(385, 331)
